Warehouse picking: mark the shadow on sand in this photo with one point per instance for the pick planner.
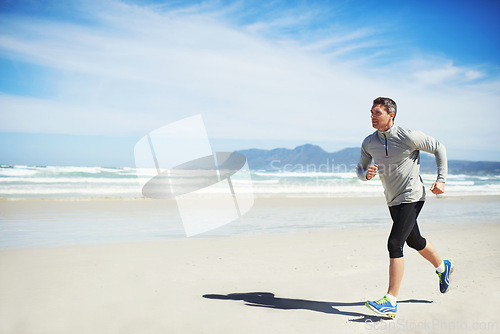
(268, 300)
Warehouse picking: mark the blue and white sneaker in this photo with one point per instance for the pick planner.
(382, 306)
(444, 277)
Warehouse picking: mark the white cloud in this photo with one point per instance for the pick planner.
(35, 115)
(141, 68)
(437, 75)
(473, 74)
(440, 72)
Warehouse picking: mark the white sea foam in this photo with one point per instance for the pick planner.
(95, 192)
(12, 171)
(84, 182)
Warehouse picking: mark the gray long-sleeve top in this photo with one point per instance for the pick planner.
(397, 154)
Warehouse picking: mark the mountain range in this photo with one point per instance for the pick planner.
(312, 158)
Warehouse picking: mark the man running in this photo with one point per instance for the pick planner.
(396, 155)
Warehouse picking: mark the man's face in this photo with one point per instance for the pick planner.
(381, 120)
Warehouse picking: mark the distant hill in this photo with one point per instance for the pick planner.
(312, 158)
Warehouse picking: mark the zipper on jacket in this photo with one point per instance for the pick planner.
(386, 148)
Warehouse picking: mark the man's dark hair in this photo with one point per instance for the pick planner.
(388, 103)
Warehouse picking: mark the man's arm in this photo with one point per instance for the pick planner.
(437, 187)
(428, 144)
(364, 170)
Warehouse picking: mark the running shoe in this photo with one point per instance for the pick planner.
(444, 277)
(382, 306)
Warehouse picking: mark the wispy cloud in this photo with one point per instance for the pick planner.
(446, 72)
(138, 67)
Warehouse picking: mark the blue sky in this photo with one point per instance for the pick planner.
(82, 81)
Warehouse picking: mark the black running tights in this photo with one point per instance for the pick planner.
(405, 229)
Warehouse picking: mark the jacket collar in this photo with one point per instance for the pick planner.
(388, 133)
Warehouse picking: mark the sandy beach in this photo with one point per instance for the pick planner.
(304, 281)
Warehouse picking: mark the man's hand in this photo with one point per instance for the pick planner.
(372, 171)
(437, 188)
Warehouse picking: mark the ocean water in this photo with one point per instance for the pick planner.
(61, 211)
(52, 182)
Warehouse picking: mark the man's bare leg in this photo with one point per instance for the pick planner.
(430, 254)
(396, 270)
